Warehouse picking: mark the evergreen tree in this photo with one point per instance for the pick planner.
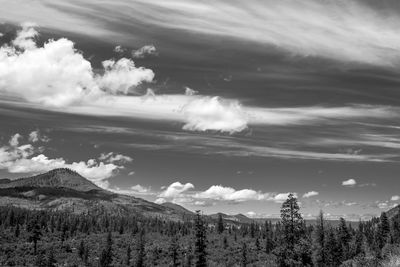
(106, 256)
(128, 255)
(35, 235)
(81, 249)
(243, 260)
(292, 221)
(344, 239)
(17, 231)
(200, 242)
(292, 227)
(220, 225)
(383, 230)
(51, 261)
(40, 260)
(318, 244)
(140, 252)
(174, 249)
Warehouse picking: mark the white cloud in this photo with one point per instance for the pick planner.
(160, 200)
(282, 197)
(345, 31)
(219, 192)
(119, 49)
(251, 214)
(57, 75)
(214, 113)
(349, 182)
(25, 36)
(133, 190)
(20, 159)
(147, 50)
(190, 91)
(14, 141)
(310, 194)
(122, 75)
(36, 136)
(112, 157)
(94, 171)
(395, 198)
(175, 189)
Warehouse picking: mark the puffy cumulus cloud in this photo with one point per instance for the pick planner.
(57, 75)
(395, 198)
(175, 190)
(281, 197)
(14, 140)
(190, 91)
(121, 75)
(119, 49)
(133, 190)
(22, 159)
(160, 200)
(112, 157)
(310, 194)
(251, 214)
(219, 192)
(10, 154)
(349, 182)
(93, 170)
(147, 50)
(25, 36)
(36, 136)
(213, 113)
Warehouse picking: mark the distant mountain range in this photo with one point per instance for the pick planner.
(66, 190)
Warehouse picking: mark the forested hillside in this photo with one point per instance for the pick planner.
(46, 238)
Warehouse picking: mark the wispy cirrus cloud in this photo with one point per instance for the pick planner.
(354, 31)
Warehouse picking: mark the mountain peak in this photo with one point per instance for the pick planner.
(61, 177)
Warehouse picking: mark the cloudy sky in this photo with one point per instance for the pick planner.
(215, 105)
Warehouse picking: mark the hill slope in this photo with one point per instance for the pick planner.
(56, 178)
(66, 190)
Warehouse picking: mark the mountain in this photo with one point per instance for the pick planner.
(393, 212)
(176, 207)
(66, 190)
(57, 178)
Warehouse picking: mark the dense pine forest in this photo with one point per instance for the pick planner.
(43, 238)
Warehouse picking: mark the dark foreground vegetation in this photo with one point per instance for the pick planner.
(42, 238)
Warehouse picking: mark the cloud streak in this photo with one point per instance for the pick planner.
(348, 31)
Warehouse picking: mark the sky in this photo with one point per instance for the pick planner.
(219, 106)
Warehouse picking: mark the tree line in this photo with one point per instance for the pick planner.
(44, 238)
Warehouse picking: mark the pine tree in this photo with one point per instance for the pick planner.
(140, 252)
(344, 239)
(293, 227)
(17, 230)
(35, 235)
(200, 243)
(40, 260)
(243, 261)
(220, 225)
(257, 244)
(128, 255)
(318, 244)
(106, 256)
(174, 249)
(81, 249)
(383, 230)
(51, 261)
(292, 221)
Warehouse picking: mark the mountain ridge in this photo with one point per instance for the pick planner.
(66, 190)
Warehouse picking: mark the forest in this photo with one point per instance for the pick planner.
(47, 238)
